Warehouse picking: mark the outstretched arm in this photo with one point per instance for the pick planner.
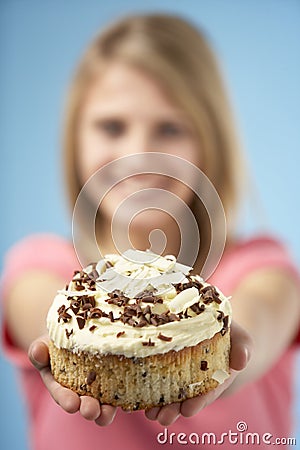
(267, 305)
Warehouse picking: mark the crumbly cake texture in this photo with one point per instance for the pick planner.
(141, 383)
(162, 338)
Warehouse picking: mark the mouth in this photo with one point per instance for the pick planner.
(145, 181)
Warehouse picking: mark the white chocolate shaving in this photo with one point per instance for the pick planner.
(101, 266)
(184, 299)
(193, 385)
(220, 376)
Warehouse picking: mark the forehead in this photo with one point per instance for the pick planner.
(124, 87)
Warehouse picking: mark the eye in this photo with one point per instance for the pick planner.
(170, 129)
(111, 127)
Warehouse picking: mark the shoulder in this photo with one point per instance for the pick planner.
(45, 252)
(245, 256)
(39, 250)
(256, 243)
(259, 250)
(33, 242)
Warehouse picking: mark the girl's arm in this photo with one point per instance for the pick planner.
(27, 303)
(267, 305)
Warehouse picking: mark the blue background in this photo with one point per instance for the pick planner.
(258, 43)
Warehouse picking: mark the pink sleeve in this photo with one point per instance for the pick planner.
(44, 252)
(252, 255)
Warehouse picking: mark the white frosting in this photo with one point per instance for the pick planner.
(132, 276)
(136, 271)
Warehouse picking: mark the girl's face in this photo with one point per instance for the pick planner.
(126, 112)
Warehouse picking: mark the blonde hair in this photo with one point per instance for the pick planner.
(176, 54)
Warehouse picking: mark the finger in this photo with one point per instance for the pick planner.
(241, 347)
(192, 406)
(63, 396)
(38, 354)
(168, 414)
(152, 413)
(107, 415)
(89, 407)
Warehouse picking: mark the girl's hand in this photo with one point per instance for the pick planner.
(241, 346)
(69, 401)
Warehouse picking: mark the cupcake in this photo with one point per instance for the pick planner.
(137, 330)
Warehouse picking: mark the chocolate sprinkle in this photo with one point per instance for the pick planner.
(173, 317)
(142, 323)
(147, 310)
(131, 322)
(148, 299)
(79, 287)
(87, 306)
(96, 313)
(148, 343)
(210, 294)
(75, 306)
(62, 314)
(181, 394)
(92, 328)
(81, 322)
(121, 333)
(68, 333)
(204, 365)
(225, 325)
(136, 406)
(154, 321)
(164, 338)
(94, 274)
(91, 377)
(220, 316)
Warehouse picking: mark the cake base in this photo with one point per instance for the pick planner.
(141, 383)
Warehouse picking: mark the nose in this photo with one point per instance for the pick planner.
(136, 140)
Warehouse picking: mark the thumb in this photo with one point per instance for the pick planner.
(38, 352)
(241, 347)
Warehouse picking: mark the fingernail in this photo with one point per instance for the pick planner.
(248, 355)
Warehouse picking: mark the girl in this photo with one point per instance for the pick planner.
(151, 84)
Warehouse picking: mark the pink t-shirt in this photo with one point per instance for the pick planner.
(263, 407)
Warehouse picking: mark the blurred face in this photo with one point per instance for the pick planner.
(126, 112)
